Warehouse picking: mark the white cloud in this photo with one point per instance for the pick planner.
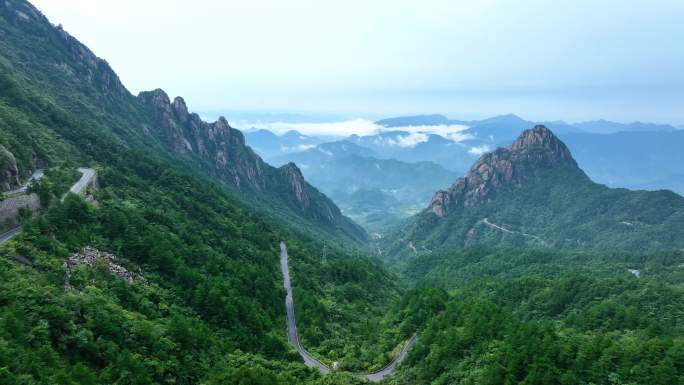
(345, 128)
(301, 147)
(363, 127)
(479, 150)
(410, 140)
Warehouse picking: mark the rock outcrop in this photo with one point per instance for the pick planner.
(9, 173)
(297, 183)
(222, 148)
(92, 257)
(536, 151)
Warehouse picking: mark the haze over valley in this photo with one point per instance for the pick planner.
(281, 193)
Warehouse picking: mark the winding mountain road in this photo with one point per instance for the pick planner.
(309, 360)
(505, 230)
(87, 175)
(35, 176)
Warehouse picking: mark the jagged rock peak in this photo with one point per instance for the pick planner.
(535, 152)
(297, 183)
(541, 138)
(181, 109)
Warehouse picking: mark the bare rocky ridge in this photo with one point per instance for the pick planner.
(535, 150)
(223, 150)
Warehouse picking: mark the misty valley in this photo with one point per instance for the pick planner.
(147, 239)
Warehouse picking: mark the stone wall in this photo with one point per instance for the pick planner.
(9, 208)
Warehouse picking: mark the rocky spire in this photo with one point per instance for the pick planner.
(536, 151)
(541, 143)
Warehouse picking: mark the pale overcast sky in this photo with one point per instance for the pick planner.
(573, 60)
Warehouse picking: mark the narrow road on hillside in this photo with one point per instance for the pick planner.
(35, 176)
(292, 335)
(309, 360)
(505, 230)
(87, 175)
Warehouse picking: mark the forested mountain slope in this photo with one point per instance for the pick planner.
(515, 316)
(533, 193)
(205, 304)
(48, 78)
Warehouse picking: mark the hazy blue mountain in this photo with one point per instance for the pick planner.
(417, 147)
(505, 128)
(372, 190)
(534, 193)
(651, 160)
(417, 120)
(608, 127)
(268, 144)
(322, 153)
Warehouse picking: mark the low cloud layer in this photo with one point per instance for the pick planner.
(363, 127)
(479, 150)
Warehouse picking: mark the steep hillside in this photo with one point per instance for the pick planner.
(61, 103)
(533, 193)
(520, 316)
(170, 274)
(222, 151)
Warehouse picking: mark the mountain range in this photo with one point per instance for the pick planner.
(534, 193)
(184, 254)
(373, 190)
(636, 155)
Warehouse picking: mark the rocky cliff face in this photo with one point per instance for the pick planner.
(217, 143)
(9, 173)
(535, 151)
(222, 148)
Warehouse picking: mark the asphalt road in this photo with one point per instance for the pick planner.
(309, 360)
(9, 234)
(35, 176)
(87, 175)
(292, 335)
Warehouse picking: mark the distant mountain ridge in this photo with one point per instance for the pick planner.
(370, 188)
(269, 145)
(533, 193)
(511, 122)
(417, 120)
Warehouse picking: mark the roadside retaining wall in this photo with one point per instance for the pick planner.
(9, 208)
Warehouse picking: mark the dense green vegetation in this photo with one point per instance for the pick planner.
(210, 303)
(548, 317)
(211, 286)
(207, 305)
(560, 208)
(343, 307)
(54, 184)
